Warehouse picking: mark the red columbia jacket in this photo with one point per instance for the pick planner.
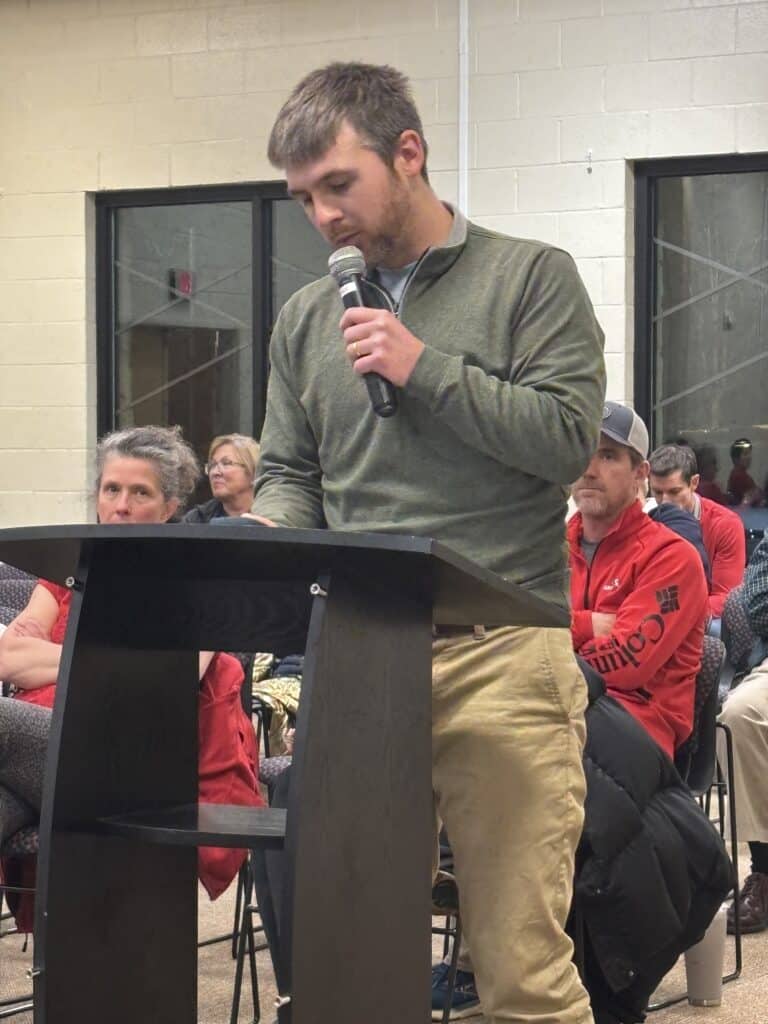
(726, 544)
(653, 582)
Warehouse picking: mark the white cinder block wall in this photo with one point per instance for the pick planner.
(623, 80)
(113, 94)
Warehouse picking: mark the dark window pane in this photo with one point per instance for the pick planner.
(710, 314)
(299, 254)
(183, 318)
(182, 308)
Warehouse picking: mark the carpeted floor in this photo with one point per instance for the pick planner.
(215, 974)
(745, 1001)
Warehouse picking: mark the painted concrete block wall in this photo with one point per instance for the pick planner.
(114, 94)
(117, 94)
(620, 80)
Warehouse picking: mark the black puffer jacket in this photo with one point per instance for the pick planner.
(651, 869)
(204, 513)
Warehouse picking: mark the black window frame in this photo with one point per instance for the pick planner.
(647, 173)
(261, 195)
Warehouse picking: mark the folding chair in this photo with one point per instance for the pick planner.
(697, 763)
(22, 844)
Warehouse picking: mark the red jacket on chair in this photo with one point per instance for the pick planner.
(228, 765)
(653, 582)
(228, 753)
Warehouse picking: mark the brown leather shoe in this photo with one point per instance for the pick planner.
(753, 904)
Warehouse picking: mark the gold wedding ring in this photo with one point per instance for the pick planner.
(356, 350)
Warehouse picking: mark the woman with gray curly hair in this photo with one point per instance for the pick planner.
(143, 475)
(160, 453)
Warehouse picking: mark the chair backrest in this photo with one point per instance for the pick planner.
(24, 843)
(755, 524)
(10, 572)
(15, 590)
(696, 759)
(738, 636)
(744, 649)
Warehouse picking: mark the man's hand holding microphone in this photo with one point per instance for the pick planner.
(380, 348)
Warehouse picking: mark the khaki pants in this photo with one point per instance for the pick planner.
(746, 713)
(508, 733)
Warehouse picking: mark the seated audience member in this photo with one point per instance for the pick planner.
(742, 489)
(687, 526)
(638, 594)
(143, 475)
(674, 479)
(706, 460)
(746, 713)
(231, 470)
(638, 591)
(651, 869)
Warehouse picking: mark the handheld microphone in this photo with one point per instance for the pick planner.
(347, 266)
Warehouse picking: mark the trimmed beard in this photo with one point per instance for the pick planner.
(390, 235)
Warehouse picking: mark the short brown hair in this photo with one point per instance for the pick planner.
(670, 458)
(247, 449)
(375, 99)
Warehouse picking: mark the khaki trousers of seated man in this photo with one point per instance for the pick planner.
(508, 733)
(746, 713)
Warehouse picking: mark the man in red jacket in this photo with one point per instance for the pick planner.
(638, 591)
(674, 478)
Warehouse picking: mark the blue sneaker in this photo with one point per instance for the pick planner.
(465, 1001)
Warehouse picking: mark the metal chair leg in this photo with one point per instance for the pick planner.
(5, 915)
(248, 923)
(236, 923)
(17, 1004)
(447, 930)
(239, 906)
(246, 943)
(453, 967)
(245, 940)
(23, 1007)
(268, 915)
(245, 937)
(734, 852)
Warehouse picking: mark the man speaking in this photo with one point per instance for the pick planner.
(495, 357)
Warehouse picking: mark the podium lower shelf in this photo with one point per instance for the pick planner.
(198, 825)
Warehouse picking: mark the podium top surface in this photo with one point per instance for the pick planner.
(199, 824)
(459, 591)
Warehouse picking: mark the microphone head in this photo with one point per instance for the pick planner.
(347, 260)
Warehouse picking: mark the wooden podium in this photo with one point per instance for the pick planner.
(116, 909)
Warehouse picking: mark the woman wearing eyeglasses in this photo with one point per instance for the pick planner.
(231, 471)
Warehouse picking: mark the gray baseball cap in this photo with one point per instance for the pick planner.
(623, 425)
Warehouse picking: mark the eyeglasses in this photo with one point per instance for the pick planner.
(222, 464)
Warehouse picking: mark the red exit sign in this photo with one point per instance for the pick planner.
(181, 283)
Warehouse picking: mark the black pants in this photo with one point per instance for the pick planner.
(24, 731)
